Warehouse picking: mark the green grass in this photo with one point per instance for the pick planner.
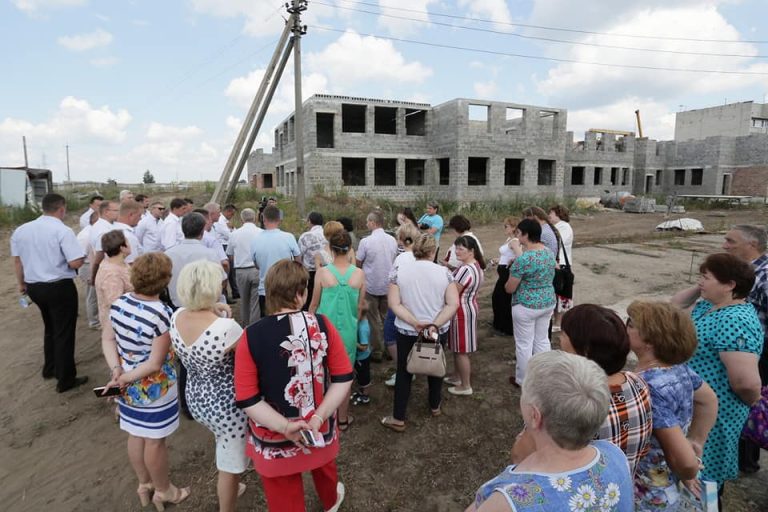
(12, 216)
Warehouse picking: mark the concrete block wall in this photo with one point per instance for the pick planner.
(749, 181)
(590, 155)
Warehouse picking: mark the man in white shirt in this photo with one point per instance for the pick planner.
(128, 218)
(375, 256)
(219, 227)
(226, 221)
(46, 256)
(246, 273)
(144, 202)
(310, 243)
(170, 233)
(91, 304)
(108, 212)
(149, 229)
(209, 239)
(126, 195)
(93, 206)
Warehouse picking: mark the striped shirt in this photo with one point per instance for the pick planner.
(629, 422)
(136, 324)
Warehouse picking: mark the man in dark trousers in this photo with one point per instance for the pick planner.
(46, 255)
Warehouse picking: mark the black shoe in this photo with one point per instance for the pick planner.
(749, 468)
(79, 381)
(48, 376)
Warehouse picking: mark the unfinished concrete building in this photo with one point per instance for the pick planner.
(473, 150)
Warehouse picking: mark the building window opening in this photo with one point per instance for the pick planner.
(385, 172)
(291, 129)
(477, 171)
(353, 118)
(513, 172)
(577, 175)
(548, 122)
(414, 172)
(267, 181)
(658, 178)
(479, 116)
(614, 176)
(415, 122)
(546, 174)
(697, 177)
(514, 119)
(444, 165)
(324, 124)
(620, 145)
(597, 179)
(385, 120)
(679, 176)
(353, 172)
(624, 176)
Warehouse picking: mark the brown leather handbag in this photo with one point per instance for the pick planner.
(427, 356)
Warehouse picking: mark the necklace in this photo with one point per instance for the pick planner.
(653, 363)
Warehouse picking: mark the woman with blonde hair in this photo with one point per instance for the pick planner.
(142, 365)
(205, 342)
(684, 407)
(324, 256)
(421, 294)
(291, 374)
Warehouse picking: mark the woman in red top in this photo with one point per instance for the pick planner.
(291, 374)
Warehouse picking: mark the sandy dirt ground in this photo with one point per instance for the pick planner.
(64, 452)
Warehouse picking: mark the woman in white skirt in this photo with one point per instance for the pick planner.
(142, 365)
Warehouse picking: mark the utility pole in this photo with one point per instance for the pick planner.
(69, 178)
(297, 7)
(24, 143)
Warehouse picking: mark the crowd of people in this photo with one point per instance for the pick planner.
(276, 388)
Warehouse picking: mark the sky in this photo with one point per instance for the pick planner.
(164, 85)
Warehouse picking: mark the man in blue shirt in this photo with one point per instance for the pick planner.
(46, 255)
(269, 247)
(432, 223)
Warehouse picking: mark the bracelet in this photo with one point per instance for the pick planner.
(318, 417)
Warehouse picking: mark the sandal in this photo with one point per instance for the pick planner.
(358, 398)
(173, 494)
(344, 425)
(241, 487)
(437, 412)
(145, 493)
(388, 422)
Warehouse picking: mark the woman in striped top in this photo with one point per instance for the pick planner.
(142, 365)
(463, 334)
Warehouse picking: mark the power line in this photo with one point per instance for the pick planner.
(557, 29)
(553, 59)
(548, 39)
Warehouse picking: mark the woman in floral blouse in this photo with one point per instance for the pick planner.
(291, 374)
(533, 299)
(564, 400)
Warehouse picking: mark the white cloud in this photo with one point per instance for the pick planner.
(234, 123)
(89, 41)
(495, 10)
(243, 89)
(261, 16)
(104, 62)
(416, 15)
(485, 90)
(658, 119)
(578, 85)
(341, 61)
(34, 6)
(157, 131)
(75, 120)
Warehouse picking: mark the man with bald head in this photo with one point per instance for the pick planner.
(748, 243)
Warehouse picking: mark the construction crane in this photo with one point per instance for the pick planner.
(613, 132)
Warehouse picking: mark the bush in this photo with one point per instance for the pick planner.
(12, 216)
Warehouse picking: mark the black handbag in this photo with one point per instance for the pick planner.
(563, 282)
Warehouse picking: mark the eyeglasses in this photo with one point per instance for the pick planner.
(161, 208)
(629, 323)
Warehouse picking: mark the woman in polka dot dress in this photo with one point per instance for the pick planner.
(730, 341)
(205, 344)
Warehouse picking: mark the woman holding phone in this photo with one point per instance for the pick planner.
(142, 365)
(291, 374)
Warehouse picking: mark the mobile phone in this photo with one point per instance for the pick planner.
(113, 391)
(308, 437)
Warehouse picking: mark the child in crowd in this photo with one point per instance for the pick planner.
(363, 362)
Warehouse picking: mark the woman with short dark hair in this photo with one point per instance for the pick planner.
(113, 278)
(599, 334)
(729, 344)
(291, 374)
(461, 225)
(533, 300)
